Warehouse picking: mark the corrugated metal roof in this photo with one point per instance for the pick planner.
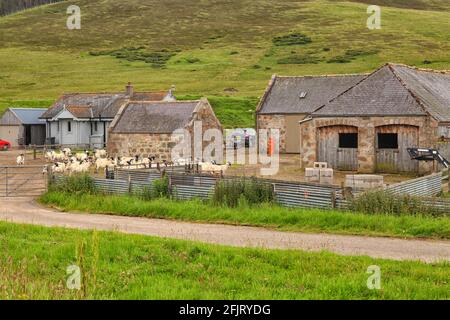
(294, 95)
(29, 115)
(155, 117)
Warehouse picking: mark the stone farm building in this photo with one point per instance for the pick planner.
(362, 123)
(145, 128)
(84, 118)
(22, 126)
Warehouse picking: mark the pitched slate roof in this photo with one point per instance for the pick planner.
(29, 115)
(283, 95)
(105, 105)
(432, 88)
(81, 112)
(155, 117)
(381, 93)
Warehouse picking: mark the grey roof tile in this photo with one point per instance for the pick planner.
(284, 95)
(379, 94)
(155, 117)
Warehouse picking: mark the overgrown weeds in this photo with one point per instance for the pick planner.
(242, 192)
(76, 184)
(387, 203)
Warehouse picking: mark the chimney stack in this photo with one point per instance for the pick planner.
(129, 89)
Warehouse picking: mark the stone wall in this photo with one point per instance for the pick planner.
(160, 145)
(266, 121)
(366, 136)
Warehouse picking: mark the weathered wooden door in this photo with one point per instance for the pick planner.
(347, 159)
(397, 159)
(329, 150)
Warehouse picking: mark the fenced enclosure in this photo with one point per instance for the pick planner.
(22, 181)
(183, 186)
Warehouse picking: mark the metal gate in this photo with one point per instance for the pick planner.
(22, 181)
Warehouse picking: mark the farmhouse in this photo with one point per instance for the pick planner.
(368, 126)
(84, 118)
(22, 126)
(146, 128)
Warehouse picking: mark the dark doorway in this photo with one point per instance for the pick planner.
(27, 135)
(387, 141)
(348, 140)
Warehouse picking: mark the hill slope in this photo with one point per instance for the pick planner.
(213, 47)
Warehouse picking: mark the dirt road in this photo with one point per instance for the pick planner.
(25, 210)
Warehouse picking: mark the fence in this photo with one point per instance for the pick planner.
(287, 194)
(428, 186)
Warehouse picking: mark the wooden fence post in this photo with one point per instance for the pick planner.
(129, 184)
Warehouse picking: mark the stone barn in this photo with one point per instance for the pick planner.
(22, 126)
(288, 100)
(368, 127)
(146, 128)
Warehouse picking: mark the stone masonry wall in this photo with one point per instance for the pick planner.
(366, 134)
(274, 122)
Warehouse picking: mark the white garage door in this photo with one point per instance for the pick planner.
(10, 134)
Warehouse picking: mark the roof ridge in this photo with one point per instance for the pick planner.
(327, 75)
(446, 72)
(351, 87)
(413, 95)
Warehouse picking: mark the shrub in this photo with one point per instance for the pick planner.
(387, 203)
(77, 184)
(299, 59)
(291, 39)
(233, 193)
(161, 188)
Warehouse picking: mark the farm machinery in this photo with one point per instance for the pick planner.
(424, 154)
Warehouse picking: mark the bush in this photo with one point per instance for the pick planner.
(386, 203)
(299, 59)
(292, 39)
(77, 184)
(233, 193)
(161, 188)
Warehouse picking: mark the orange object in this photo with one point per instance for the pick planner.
(270, 147)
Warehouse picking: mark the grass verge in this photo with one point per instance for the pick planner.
(34, 261)
(304, 220)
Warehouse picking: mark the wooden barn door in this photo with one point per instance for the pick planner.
(392, 156)
(332, 150)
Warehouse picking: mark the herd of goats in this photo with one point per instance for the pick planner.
(67, 162)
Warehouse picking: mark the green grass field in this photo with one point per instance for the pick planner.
(305, 220)
(217, 48)
(33, 263)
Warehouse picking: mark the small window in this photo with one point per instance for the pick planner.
(69, 126)
(387, 141)
(348, 140)
(96, 126)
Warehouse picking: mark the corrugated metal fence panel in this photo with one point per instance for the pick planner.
(193, 180)
(428, 186)
(183, 192)
(440, 205)
(137, 175)
(307, 196)
(111, 186)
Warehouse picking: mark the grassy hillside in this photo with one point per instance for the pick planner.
(219, 48)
